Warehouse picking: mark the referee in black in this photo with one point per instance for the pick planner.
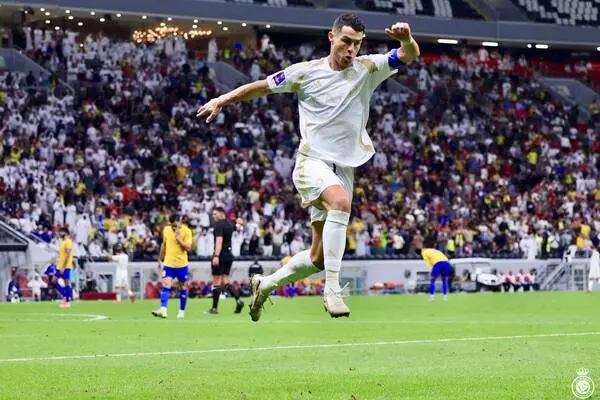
(222, 261)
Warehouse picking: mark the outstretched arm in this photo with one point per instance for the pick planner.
(409, 49)
(248, 91)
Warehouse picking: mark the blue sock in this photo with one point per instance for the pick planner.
(432, 286)
(164, 296)
(68, 293)
(445, 285)
(60, 289)
(183, 296)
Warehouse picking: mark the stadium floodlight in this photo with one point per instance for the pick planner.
(268, 26)
(47, 13)
(541, 46)
(528, 45)
(447, 41)
(42, 9)
(144, 16)
(219, 22)
(67, 11)
(80, 24)
(92, 12)
(245, 24)
(489, 44)
(119, 15)
(225, 28)
(48, 21)
(598, 48)
(195, 21)
(71, 17)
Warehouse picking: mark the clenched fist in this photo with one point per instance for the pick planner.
(399, 31)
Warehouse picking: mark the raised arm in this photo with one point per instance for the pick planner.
(248, 91)
(409, 49)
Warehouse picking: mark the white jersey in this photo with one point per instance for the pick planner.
(595, 265)
(122, 261)
(334, 106)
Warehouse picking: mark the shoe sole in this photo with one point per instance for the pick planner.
(346, 314)
(157, 315)
(253, 298)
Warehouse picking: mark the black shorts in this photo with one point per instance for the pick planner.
(224, 267)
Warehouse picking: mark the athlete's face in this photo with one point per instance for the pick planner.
(345, 44)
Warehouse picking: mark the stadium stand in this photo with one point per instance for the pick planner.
(562, 12)
(432, 8)
(481, 160)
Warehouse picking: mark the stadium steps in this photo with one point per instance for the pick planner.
(38, 252)
(568, 275)
(571, 90)
(227, 75)
(15, 60)
(498, 10)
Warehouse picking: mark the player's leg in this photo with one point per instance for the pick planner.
(217, 287)
(300, 266)
(436, 272)
(67, 289)
(445, 273)
(304, 263)
(182, 278)
(117, 295)
(227, 262)
(591, 284)
(165, 293)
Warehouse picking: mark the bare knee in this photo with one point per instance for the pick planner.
(335, 198)
(340, 204)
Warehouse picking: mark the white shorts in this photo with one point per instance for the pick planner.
(121, 279)
(312, 176)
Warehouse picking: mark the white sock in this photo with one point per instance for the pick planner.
(163, 309)
(334, 244)
(300, 266)
(119, 296)
(129, 293)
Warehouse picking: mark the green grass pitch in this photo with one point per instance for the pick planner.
(476, 346)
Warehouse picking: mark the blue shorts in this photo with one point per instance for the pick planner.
(66, 274)
(180, 273)
(440, 268)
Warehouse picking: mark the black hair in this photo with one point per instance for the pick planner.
(64, 229)
(350, 20)
(219, 209)
(174, 218)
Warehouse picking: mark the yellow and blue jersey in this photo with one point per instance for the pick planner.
(436, 261)
(65, 254)
(175, 255)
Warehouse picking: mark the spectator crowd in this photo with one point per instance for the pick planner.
(478, 159)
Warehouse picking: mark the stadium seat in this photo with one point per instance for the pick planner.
(562, 12)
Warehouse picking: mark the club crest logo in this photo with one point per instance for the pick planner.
(583, 386)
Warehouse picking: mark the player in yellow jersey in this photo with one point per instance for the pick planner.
(173, 260)
(439, 265)
(65, 264)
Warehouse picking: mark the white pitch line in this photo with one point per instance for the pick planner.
(297, 347)
(87, 317)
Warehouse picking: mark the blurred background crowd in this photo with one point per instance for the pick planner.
(475, 156)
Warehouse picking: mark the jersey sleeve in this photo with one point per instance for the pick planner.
(218, 230)
(287, 80)
(381, 66)
(188, 237)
